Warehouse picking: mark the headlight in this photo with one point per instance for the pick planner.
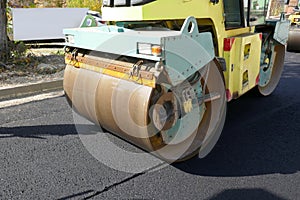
(149, 49)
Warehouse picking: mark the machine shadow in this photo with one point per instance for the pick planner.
(260, 136)
(246, 194)
(38, 132)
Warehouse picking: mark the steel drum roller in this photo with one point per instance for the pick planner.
(124, 108)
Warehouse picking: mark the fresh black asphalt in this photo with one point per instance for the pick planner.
(257, 156)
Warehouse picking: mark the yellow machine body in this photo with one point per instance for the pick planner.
(214, 14)
(243, 63)
(206, 12)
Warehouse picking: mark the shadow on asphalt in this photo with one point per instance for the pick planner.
(246, 194)
(80, 195)
(260, 136)
(37, 132)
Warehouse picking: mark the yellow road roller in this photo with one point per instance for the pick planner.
(159, 73)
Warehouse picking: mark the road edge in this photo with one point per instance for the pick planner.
(30, 89)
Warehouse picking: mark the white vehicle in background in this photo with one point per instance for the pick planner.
(37, 24)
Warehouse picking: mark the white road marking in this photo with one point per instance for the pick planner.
(15, 102)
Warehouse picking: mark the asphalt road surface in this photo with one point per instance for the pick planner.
(257, 156)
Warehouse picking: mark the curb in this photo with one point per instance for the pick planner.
(31, 89)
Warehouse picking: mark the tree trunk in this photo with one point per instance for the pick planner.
(4, 53)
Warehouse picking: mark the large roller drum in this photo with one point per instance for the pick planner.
(156, 119)
(293, 43)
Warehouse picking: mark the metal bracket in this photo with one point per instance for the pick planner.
(281, 30)
(74, 54)
(136, 69)
(190, 26)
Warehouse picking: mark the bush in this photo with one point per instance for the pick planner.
(91, 4)
(36, 3)
(17, 49)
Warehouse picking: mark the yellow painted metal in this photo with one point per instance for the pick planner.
(172, 10)
(116, 74)
(164, 9)
(295, 18)
(205, 11)
(238, 31)
(243, 63)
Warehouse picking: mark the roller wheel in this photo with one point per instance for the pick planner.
(278, 64)
(202, 140)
